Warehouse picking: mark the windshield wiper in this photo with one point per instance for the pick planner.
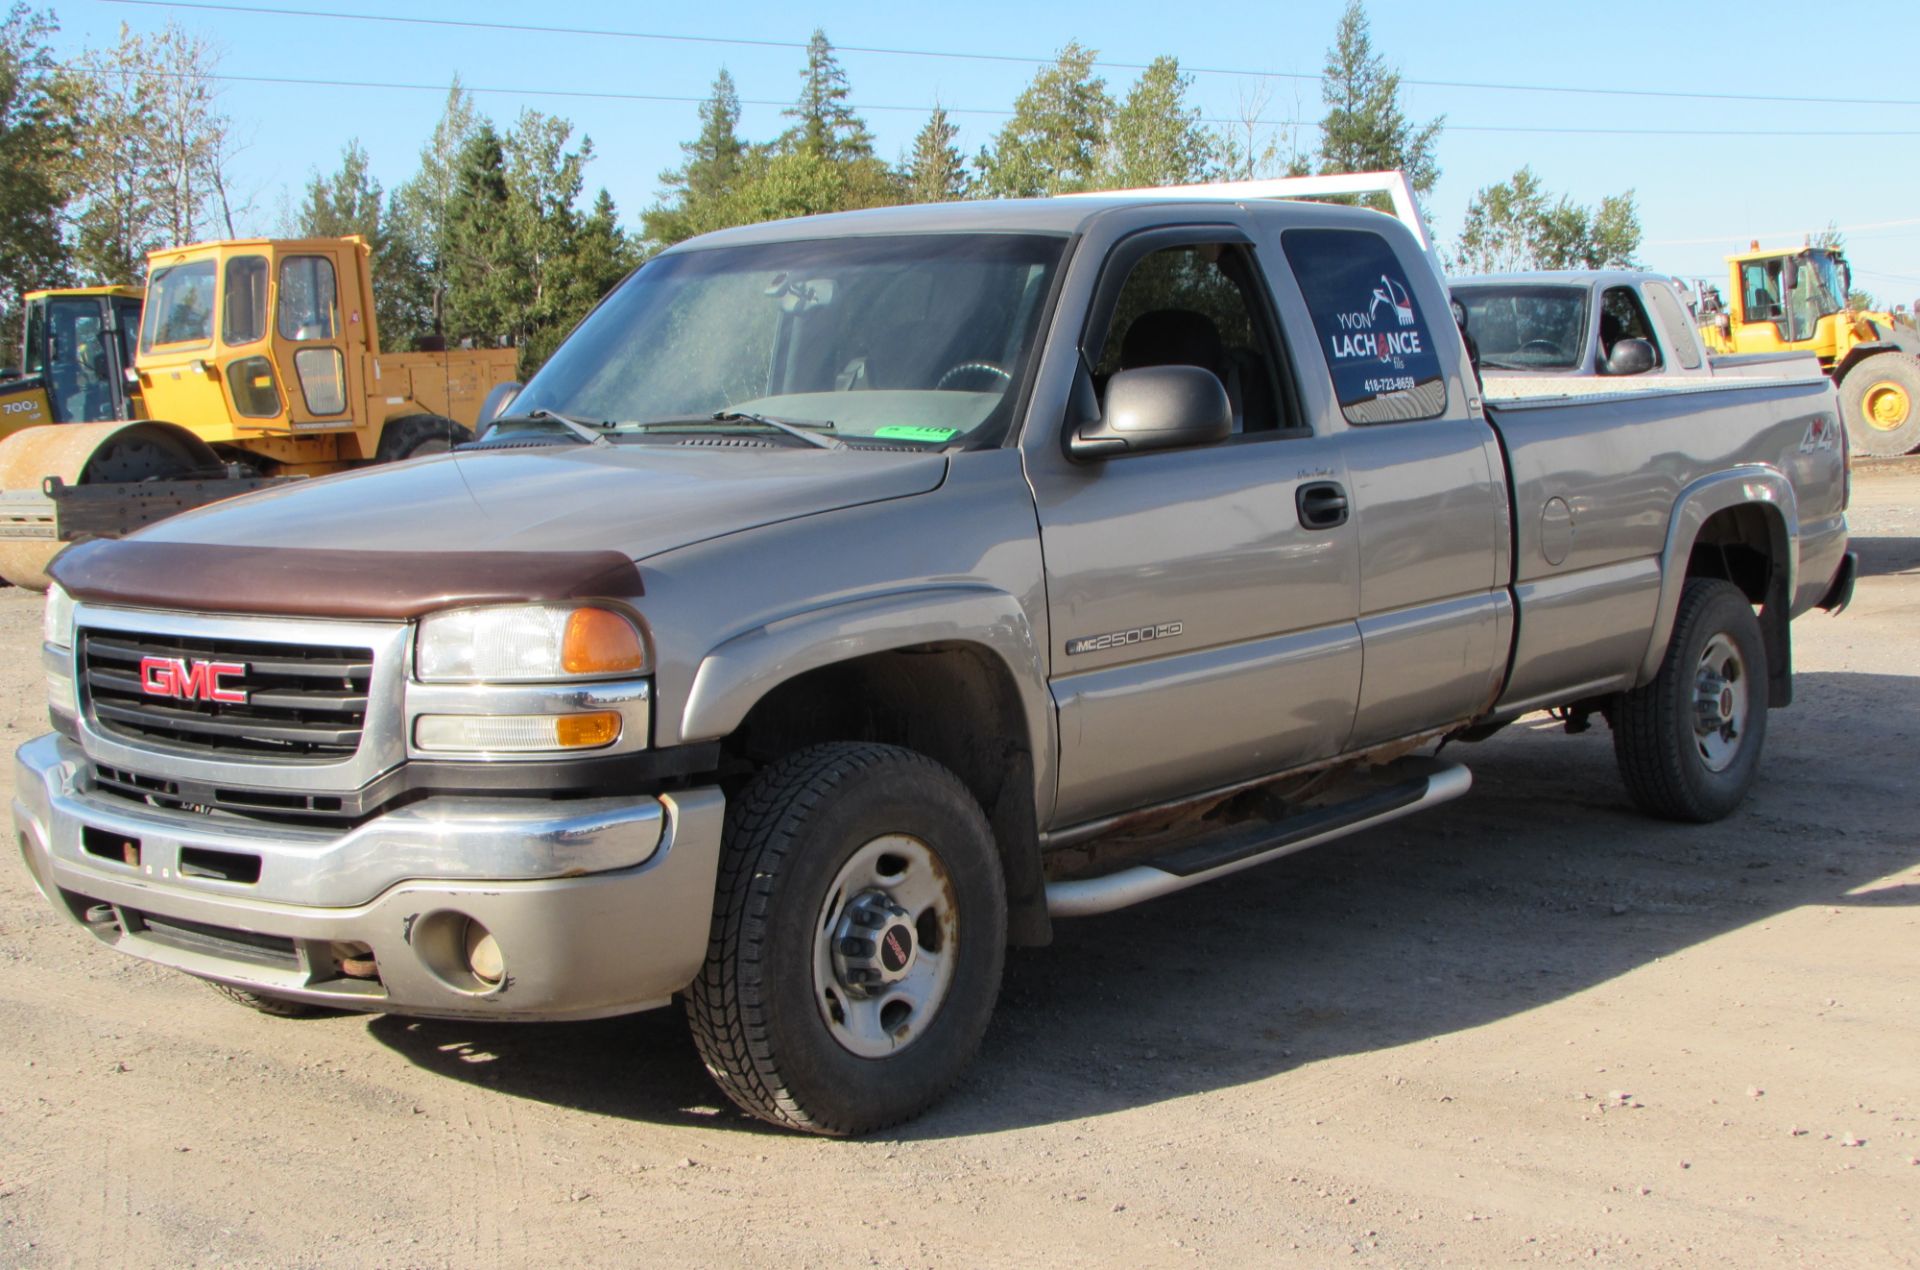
(591, 433)
(792, 427)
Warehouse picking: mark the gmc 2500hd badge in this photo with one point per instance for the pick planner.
(1120, 639)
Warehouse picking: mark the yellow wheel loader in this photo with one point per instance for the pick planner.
(252, 361)
(1796, 300)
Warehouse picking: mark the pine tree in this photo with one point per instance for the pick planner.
(934, 172)
(825, 126)
(1052, 143)
(1156, 137)
(696, 194)
(350, 201)
(486, 282)
(1365, 129)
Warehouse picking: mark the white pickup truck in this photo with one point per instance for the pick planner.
(1576, 332)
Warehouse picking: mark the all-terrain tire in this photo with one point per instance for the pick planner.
(267, 1003)
(1656, 739)
(1880, 401)
(416, 436)
(758, 1015)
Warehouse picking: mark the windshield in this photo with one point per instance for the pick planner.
(916, 339)
(1522, 327)
(179, 306)
(1824, 292)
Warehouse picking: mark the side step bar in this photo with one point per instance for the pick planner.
(1243, 848)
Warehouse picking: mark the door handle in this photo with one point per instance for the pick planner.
(1322, 505)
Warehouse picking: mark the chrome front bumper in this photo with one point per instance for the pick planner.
(599, 906)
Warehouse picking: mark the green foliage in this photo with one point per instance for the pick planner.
(522, 266)
(417, 213)
(34, 137)
(1053, 142)
(1365, 128)
(350, 201)
(1156, 138)
(150, 146)
(1518, 225)
(934, 171)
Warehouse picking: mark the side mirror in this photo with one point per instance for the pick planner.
(499, 397)
(1630, 357)
(1156, 408)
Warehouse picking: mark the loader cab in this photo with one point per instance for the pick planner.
(262, 336)
(76, 359)
(1793, 293)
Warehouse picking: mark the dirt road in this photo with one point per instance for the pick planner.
(1530, 1026)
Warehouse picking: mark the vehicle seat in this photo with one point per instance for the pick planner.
(1182, 337)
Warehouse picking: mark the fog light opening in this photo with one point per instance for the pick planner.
(484, 961)
(461, 952)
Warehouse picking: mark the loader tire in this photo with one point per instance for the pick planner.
(416, 436)
(1880, 401)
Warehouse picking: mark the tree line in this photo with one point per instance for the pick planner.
(491, 239)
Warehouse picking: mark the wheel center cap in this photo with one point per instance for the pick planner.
(874, 944)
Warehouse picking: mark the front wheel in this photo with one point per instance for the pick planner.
(1688, 742)
(859, 931)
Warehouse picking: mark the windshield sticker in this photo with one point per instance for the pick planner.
(914, 432)
(1376, 341)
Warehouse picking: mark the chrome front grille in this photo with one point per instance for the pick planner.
(302, 702)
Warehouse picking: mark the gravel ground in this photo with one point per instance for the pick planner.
(1531, 1025)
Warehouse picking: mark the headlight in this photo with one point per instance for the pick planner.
(526, 643)
(57, 624)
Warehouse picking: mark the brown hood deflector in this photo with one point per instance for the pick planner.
(311, 582)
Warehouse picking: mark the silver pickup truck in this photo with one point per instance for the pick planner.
(852, 597)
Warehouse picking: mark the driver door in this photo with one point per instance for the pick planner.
(1203, 630)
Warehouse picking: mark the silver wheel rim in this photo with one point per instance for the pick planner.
(1720, 703)
(870, 1007)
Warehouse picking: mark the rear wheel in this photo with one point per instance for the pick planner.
(416, 436)
(1880, 400)
(858, 935)
(1688, 743)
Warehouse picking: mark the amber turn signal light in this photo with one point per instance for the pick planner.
(599, 642)
(586, 731)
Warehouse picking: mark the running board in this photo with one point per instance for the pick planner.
(1243, 848)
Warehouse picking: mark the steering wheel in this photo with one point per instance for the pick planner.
(971, 368)
(1548, 347)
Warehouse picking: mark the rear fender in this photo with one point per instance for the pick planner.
(1755, 485)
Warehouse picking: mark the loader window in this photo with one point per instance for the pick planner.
(307, 298)
(244, 313)
(323, 379)
(179, 306)
(35, 359)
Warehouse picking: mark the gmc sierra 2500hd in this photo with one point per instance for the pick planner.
(851, 597)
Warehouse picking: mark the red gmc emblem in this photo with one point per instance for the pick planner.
(191, 680)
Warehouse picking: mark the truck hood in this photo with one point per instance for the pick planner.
(483, 527)
(635, 499)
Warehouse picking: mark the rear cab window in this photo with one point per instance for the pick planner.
(1377, 341)
(1672, 318)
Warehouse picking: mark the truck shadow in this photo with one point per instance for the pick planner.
(1539, 884)
(1882, 556)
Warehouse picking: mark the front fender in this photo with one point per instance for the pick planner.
(1755, 484)
(734, 676)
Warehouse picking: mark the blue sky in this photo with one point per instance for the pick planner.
(1700, 196)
